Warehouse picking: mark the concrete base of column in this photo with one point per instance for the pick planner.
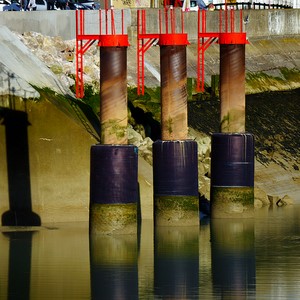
(232, 202)
(113, 218)
(176, 210)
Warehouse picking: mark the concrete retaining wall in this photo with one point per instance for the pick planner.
(262, 23)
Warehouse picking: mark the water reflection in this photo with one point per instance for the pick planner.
(224, 259)
(176, 262)
(19, 265)
(114, 266)
(233, 258)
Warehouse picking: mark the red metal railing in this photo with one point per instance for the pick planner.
(107, 36)
(228, 32)
(168, 19)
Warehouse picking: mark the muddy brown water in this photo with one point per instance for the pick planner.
(220, 259)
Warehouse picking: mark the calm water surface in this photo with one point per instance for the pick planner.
(221, 259)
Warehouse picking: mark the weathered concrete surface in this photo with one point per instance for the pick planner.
(59, 164)
(20, 61)
(260, 23)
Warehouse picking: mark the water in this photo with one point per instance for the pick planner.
(221, 259)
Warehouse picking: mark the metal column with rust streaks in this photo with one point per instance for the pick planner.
(113, 95)
(232, 87)
(173, 92)
(175, 173)
(232, 155)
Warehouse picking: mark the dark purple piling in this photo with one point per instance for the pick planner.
(232, 175)
(175, 180)
(113, 189)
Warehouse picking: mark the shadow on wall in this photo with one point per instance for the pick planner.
(18, 172)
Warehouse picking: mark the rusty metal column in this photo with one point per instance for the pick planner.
(114, 189)
(173, 92)
(175, 159)
(113, 95)
(232, 87)
(232, 156)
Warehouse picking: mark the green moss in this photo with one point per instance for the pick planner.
(292, 75)
(113, 218)
(232, 202)
(176, 210)
(149, 102)
(240, 195)
(113, 128)
(170, 125)
(56, 69)
(187, 203)
(261, 81)
(225, 122)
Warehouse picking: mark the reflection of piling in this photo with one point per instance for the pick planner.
(232, 179)
(175, 161)
(114, 186)
(114, 266)
(233, 258)
(176, 262)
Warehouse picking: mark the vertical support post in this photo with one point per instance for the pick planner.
(232, 87)
(232, 175)
(173, 92)
(175, 159)
(114, 180)
(113, 95)
(232, 166)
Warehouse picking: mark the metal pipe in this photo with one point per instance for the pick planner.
(113, 95)
(173, 92)
(232, 87)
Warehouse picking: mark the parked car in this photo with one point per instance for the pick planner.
(77, 6)
(83, 4)
(41, 4)
(12, 7)
(6, 5)
(194, 5)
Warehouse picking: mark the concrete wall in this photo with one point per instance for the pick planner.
(262, 23)
(58, 161)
